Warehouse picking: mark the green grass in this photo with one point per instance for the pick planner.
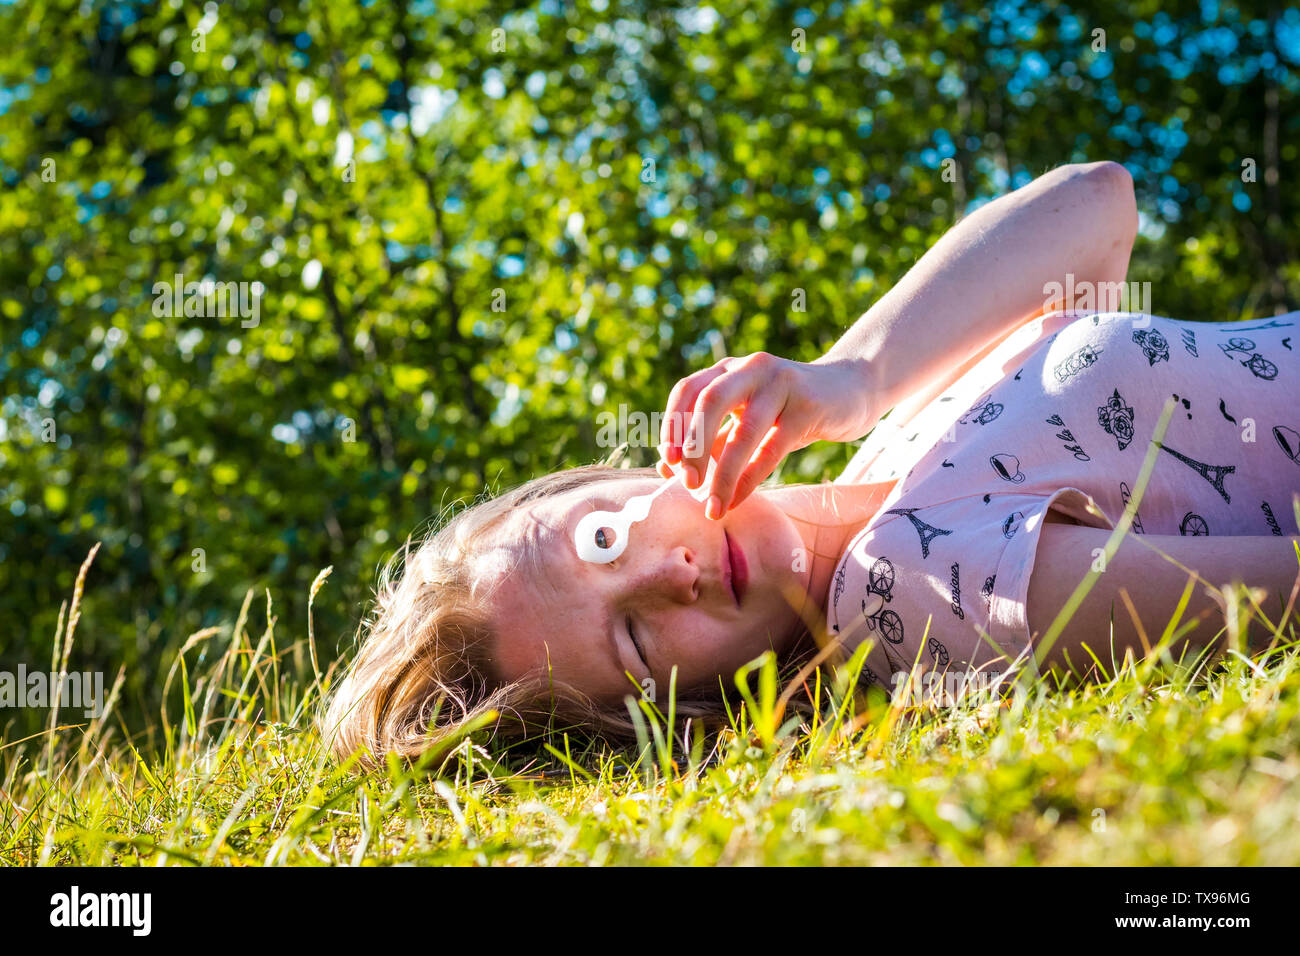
(1163, 762)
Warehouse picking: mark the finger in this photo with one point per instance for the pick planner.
(755, 421)
(677, 412)
(663, 469)
(774, 447)
(720, 442)
(681, 405)
(714, 401)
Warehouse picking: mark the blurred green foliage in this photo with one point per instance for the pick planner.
(637, 188)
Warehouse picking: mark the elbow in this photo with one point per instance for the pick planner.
(1114, 186)
(1118, 183)
(1107, 173)
(1108, 186)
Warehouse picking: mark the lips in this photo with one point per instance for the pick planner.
(736, 569)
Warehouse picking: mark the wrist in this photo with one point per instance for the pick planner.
(850, 396)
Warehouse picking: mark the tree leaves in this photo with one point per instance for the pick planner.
(476, 227)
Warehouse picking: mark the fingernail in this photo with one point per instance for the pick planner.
(713, 509)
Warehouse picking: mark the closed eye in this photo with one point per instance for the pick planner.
(637, 644)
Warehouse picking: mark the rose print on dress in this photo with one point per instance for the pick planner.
(1116, 416)
(1154, 345)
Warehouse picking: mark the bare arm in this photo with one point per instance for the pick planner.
(986, 277)
(1152, 571)
(981, 281)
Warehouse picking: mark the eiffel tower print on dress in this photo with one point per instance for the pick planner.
(928, 532)
(1214, 474)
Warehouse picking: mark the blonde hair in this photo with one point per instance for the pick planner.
(422, 677)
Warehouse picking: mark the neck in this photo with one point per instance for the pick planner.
(827, 517)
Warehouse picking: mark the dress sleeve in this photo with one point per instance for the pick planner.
(1008, 612)
(943, 586)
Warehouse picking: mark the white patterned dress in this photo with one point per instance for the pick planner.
(1060, 416)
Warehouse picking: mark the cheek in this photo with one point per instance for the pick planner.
(510, 659)
(704, 647)
(769, 535)
(691, 634)
(684, 515)
(702, 660)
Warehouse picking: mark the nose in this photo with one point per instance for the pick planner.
(674, 575)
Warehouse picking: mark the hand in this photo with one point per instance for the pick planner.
(779, 406)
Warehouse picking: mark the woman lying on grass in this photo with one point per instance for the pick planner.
(1015, 444)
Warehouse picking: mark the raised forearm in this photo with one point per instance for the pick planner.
(986, 277)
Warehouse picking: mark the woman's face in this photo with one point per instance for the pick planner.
(706, 596)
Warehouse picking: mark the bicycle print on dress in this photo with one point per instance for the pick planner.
(988, 412)
(1259, 366)
(880, 587)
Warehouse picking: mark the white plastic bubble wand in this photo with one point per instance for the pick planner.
(592, 536)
